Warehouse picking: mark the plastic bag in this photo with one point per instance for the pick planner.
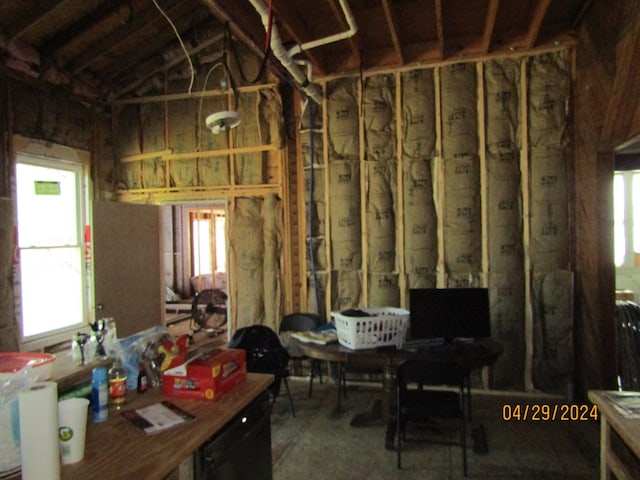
(130, 350)
(10, 385)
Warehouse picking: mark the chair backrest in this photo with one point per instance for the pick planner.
(300, 322)
(265, 353)
(423, 370)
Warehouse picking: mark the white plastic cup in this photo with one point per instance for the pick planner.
(72, 421)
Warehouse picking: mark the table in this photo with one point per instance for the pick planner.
(117, 449)
(477, 354)
(619, 439)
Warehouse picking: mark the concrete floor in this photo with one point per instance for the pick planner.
(316, 445)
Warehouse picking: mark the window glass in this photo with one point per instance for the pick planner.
(635, 191)
(50, 227)
(620, 243)
(47, 205)
(201, 247)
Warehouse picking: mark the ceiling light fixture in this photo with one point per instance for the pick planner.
(222, 121)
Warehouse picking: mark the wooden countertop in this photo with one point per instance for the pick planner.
(116, 449)
(627, 428)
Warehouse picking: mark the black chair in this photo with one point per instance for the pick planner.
(419, 403)
(303, 322)
(265, 354)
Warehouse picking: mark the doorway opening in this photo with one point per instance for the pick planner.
(195, 246)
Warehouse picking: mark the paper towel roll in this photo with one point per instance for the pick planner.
(39, 448)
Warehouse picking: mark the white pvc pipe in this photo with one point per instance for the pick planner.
(286, 57)
(353, 28)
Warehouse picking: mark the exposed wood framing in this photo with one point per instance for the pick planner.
(290, 21)
(526, 232)
(325, 147)
(399, 217)
(536, 22)
(354, 42)
(489, 25)
(392, 22)
(117, 36)
(484, 184)
(620, 111)
(437, 177)
(364, 230)
(439, 28)
(36, 15)
(186, 95)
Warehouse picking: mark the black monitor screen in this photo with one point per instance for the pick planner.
(449, 313)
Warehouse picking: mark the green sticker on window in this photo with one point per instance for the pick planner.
(47, 187)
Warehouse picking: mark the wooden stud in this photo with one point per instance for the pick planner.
(400, 218)
(526, 230)
(437, 177)
(364, 232)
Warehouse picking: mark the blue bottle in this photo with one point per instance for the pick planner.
(99, 394)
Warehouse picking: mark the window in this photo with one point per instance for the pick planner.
(51, 218)
(626, 218)
(207, 241)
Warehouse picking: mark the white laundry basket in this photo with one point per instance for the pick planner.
(383, 327)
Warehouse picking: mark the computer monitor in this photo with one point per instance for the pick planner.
(449, 313)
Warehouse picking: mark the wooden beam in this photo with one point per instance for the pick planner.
(159, 69)
(224, 15)
(354, 42)
(536, 21)
(240, 23)
(439, 27)
(152, 49)
(117, 36)
(620, 110)
(489, 25)
(392, 23)
(38, 11)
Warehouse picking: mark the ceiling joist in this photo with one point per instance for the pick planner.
(111, 44)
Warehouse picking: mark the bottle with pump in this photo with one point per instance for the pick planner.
(99, 394)
(117, 384)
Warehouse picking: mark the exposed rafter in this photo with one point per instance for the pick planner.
(489, 25)
(536, 22)
(41, 9)
(393, 29)
(299, 32)
(108, 45)
(118, 35)
(439, 28)
(354, 42)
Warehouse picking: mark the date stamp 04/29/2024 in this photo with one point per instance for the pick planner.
(541, 412)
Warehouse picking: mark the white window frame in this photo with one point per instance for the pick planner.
(46, 154)
(630, 225)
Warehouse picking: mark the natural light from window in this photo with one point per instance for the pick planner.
(51, 246)
(626, 218)
(208, 242)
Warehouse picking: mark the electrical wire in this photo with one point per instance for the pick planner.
(186, 53)
(267, 38)
(265, 57)
(204, 88)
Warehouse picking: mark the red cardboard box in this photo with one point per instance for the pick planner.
(207, 376)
